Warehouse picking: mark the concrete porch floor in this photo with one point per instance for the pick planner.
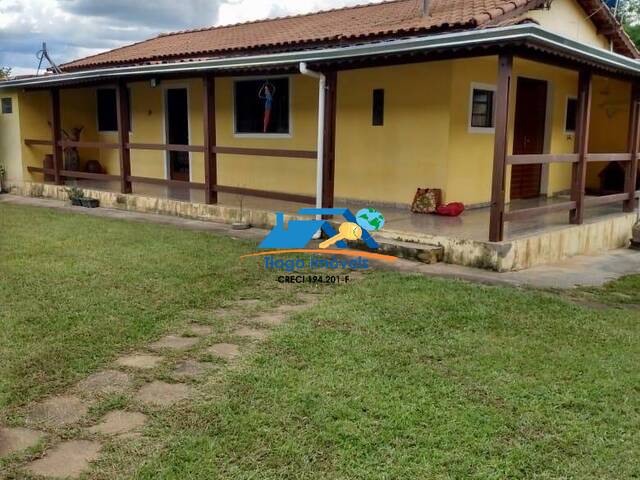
(471, 225)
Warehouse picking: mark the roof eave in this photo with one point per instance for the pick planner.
(516, 34)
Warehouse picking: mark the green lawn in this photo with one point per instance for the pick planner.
(391, 377)
(75, 290)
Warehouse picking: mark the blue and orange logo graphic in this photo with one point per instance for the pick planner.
(295, 236)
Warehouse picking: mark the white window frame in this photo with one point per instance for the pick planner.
(566, 113)
(481, 86)
(2, 99)
(113, 87)
(262, 135)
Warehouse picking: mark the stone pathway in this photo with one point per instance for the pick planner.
(61, 426)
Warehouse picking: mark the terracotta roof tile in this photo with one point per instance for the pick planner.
(340, 25)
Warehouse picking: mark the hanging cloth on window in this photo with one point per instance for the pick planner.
(266, 93)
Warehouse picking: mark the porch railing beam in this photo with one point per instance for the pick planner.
(505, 71)
(56, 135)
(579, 172)
(631, 168)
(209, 129)
(122, 100)
(329, 158)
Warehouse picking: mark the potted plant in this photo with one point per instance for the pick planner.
(75, 196)
(89, 202)
(71, 155)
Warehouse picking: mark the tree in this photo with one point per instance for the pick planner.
(634, 33)
(628, 13)
(5, 72)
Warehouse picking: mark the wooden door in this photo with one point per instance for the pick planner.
(528, 136)
(177, 116)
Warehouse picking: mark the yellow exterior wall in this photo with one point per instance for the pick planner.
(410, 151)
(425, 140)
(10, 151)
(290, 175)
(471, 153)
(569, 19)
(609, 122)
(35, 108)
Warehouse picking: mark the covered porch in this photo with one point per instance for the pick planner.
(399, 221)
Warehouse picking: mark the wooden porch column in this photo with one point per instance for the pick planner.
(122, 100)
(634, 136)
(209, 130)
(329, 160)
(583, 120)
(56, 135)
(501, 141)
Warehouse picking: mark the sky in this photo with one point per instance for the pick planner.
(77, 28)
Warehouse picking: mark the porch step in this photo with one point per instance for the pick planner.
(419, 252)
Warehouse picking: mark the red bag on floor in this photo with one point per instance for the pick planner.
(450, 210)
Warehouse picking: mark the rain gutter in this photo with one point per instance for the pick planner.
(512, 34)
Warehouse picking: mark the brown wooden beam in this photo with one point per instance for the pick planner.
(122, 99)
(525, 213)
(56, 135)
(209, 129)
(539, 159)
(98, 145)
(166, 183)
(265, 152)
(167, 147)
(76, 175)
(579, 173)
(631, 169)
(505, 70)
(287, 197)
(31, 142)
(608, 157)
(329, 158)
(606, 199)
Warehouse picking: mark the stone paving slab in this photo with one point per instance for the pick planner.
(106, 382)
(247, 302)
(140, 361)
(272, 319)
(191, 369)
(291, 308)
(227, 351)
(59, 411)
(163, 394)
(119, 422)
(255, 334)
(13, 440)
(66, 460)
(309, 298)
(174, 342)
(201, 330)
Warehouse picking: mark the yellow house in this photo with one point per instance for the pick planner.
(520, 109)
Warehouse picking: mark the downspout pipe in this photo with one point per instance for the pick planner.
(322, 91)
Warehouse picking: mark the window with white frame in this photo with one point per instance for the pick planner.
(262, 106)
(7, 105)
(482, 108)
(571, 115)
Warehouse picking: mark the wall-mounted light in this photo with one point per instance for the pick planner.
(154, 82)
